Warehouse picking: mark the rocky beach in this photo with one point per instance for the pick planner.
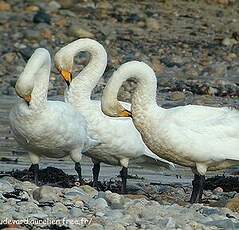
(193, 46)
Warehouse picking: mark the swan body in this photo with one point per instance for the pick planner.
(121, 143)
(201, 137)
(51, 128)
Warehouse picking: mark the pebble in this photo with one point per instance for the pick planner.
(233, 204)
(177, 96)
(42, 17)
(32, 34)
(98, 204)
(53, 6)
(76, 212)
(66, 3)
(114, 199)
(4, 6)
(218, 190)
(94, 226)
(5, 186)
(80, 32)
(153, 24)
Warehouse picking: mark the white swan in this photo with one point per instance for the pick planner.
(201, 137)
(51, 128)
(120, 142)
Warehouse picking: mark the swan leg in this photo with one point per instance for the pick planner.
(35, 169)
(96, 171)
(198, 184)
(78, 170)
(76, 157)
(35, 159)
(124, 174)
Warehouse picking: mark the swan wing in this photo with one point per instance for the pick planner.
(205, 132)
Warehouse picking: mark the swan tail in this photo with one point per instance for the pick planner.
(91, 143)
(152, 161)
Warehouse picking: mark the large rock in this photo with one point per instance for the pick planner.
(46, 194)
(114, 199)
(98, 204)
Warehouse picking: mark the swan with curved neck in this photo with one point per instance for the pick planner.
(121, 143)
(51, 128)
(200, 137)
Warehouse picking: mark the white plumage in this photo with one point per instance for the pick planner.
(120, 142)
(201, 137)
(51, 128)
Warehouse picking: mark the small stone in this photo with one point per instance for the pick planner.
(5, 186)
(153, 24)
(116, 226)
(26, 52)
(114, 199)
(89, 190)
(218, 190)
(79, 31)
(231, 57)
(223, 224)
(224, 2)
(46, 194)
(59, 207)
(53, 6)
(76, 212)
(100, 214)
(32, 34)
(42, 17)
(170, 223)
(32, 8)
(46, 33)
(177, 95)
(98, 204)
(4, 6)
(94, 226)
(135, 210)
(136, 196)
(233, 204)
(229, 42)
(9, 57)
(66, 3)
(157, 66)
(76, 195)
(39, 215)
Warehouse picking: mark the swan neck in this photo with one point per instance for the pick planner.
(145, 92)
(35, 78)
(82, 86)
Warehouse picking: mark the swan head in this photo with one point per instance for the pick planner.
(25, 84)
(24, 93)
(115, 109)
(64, 65)
(35, 68)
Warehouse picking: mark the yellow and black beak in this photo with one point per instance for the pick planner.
(66, 75)
(125, 113)
(27, 99)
